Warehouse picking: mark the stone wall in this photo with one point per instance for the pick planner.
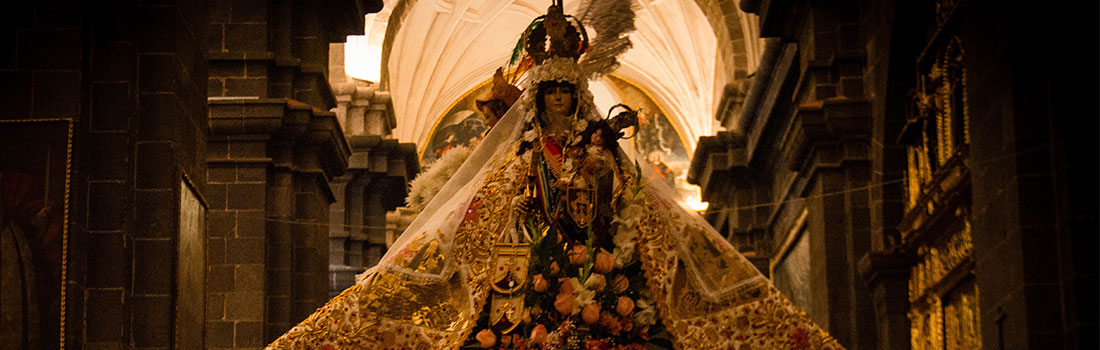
(130, 77)
(825, 137)
(275, 153)
(153, 165)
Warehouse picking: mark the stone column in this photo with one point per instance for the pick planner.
(378, 174)
(887, 276)
(283, 155)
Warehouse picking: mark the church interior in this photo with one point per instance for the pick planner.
(190, 174)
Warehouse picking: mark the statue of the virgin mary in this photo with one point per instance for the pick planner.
(550, 236)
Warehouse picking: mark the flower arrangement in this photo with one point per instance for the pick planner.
(580, 296)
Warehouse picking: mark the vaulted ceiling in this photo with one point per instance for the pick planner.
(434, 51)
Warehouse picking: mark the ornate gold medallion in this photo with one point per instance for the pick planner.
(510, 262)
(506, 313)
(581, 200)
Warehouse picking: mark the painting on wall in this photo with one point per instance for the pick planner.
(461, 125)
(657, 142)
(34, 182)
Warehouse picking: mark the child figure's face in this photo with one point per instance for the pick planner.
(597, 138)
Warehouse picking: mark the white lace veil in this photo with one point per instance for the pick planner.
(441, 216)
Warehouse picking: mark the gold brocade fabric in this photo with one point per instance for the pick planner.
(711, 297)
(425, 295)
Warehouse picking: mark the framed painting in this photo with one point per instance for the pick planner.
(34, 205)
(461, 125)
(657, 141)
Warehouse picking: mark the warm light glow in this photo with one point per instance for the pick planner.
(445, 48)
(603, 95)
(696, 205)
(363, 53)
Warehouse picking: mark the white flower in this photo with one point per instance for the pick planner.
(424, 187)
(581, 295)
(557, 69)
(580, 125)
(593, 149)
(647, 315)
(623, 254)
(530, 135)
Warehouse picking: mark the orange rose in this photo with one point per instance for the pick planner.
(625, 306)
(596, 282)
(539, 283)
(565, 286)
(578, 254)
(604, 262)
(620, 284)
(564, 304)
(591, 313)
(554, 269)
(538, 334)
(487, 338)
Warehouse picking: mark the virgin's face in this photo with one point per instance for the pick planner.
(559, 100)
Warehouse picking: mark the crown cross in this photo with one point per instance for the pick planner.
(556, 35)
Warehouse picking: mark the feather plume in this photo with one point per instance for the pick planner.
(517, 52)
(612, 20)
(522, 67)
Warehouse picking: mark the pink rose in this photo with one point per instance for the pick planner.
(591, 313)
(612, 323)
(538, 334)
(539, 283)
(620, 284)
(564, 304)
(604, 262)
(487, 338)
(578, 254)
(628, 325)
(625, 306)
(606, 319)
(596, 345)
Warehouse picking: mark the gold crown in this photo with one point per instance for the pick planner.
(555, 35)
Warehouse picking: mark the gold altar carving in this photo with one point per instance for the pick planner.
(937, 261)
(943, 297)
(939, 110)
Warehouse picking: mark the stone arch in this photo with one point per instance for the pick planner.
(736, 42)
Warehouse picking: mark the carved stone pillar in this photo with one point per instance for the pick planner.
(379, 169)
(887, 276)
(284, 154)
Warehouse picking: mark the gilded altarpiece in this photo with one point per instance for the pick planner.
(936, 228)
